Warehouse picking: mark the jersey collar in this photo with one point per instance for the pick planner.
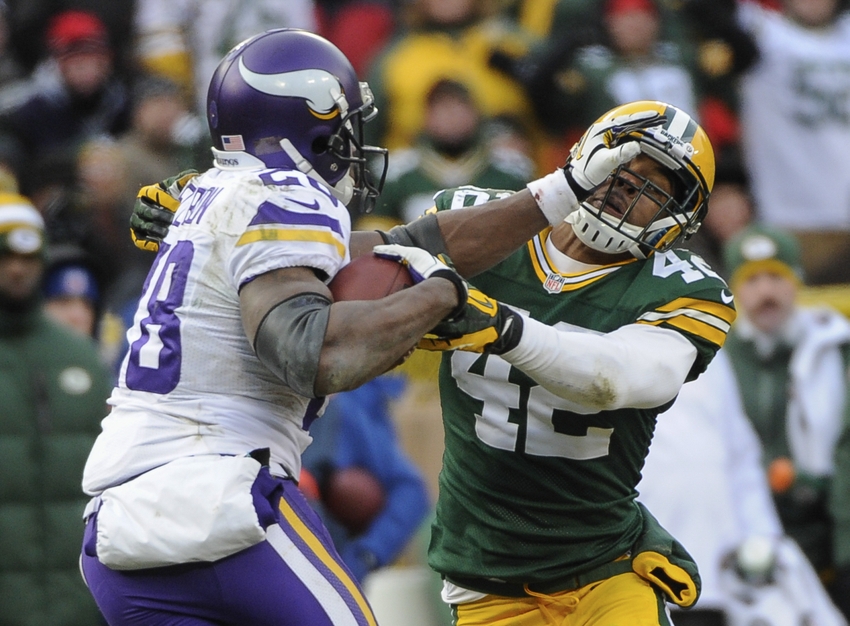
(545, 260)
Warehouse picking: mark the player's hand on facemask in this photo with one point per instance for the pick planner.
(484, 325)
(422, 265)
(596, 155)
(154, 210)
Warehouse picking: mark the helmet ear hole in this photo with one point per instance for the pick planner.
(319, 145)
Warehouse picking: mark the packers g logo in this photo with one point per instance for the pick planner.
(320, 89)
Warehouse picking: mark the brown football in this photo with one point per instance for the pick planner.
(354, 497)
(369, 277)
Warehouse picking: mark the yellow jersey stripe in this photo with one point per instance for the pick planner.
(694, 327)
(726, 313)
(324, 556)
(706, 318)
(291, 234)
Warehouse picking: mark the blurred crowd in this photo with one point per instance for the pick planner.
(97, 100)
(100, 97)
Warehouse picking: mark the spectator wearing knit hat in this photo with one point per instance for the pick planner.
(791, 364)
(76, 97)
(53, 389)
(72, 296)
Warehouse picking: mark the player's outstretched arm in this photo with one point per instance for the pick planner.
(637, 365)
(317, 346)
(477, 238)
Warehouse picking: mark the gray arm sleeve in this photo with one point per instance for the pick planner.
(290, 337)
(422, 233)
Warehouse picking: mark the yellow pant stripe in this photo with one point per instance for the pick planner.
(325, 557)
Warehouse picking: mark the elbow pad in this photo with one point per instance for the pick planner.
(289, 340)
(422, 233)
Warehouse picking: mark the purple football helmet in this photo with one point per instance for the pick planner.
(291, 99)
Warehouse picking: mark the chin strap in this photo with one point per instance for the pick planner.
(342, 191)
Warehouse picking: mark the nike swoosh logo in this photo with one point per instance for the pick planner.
(726, 297)
(484, 305)
(314, 205)
(318, 87)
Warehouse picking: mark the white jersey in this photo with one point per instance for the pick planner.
(795, 120)
(190, 383)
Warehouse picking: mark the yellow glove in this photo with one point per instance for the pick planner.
(484, 325)
(154, 210)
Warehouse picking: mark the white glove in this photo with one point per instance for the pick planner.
(595, 157)
(592, 160)
(422, 265)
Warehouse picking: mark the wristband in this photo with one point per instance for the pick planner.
(554, 196)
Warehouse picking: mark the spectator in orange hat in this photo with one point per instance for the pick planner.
(77, 96)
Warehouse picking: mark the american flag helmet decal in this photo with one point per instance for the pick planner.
(232, 143)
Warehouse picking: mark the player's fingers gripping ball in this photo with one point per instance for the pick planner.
(423, 265)
(485, 325)
(154, 210)
(597, 154)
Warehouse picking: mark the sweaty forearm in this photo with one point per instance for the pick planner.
(637, 366)
(364, 340)
(362, 242)
(318, 347)
(475, 238)
(479, 237)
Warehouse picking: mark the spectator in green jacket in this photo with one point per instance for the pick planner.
(791, 363)
(452, 149)
(53, 389)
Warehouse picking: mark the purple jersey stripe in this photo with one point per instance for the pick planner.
(270, 213)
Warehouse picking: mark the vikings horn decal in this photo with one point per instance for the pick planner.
(319, 88)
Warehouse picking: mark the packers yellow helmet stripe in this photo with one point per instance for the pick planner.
(678, 125)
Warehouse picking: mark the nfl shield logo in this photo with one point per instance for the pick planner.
(554, 283)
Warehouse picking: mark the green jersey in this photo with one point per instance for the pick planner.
(535, 488)
(416, 174)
